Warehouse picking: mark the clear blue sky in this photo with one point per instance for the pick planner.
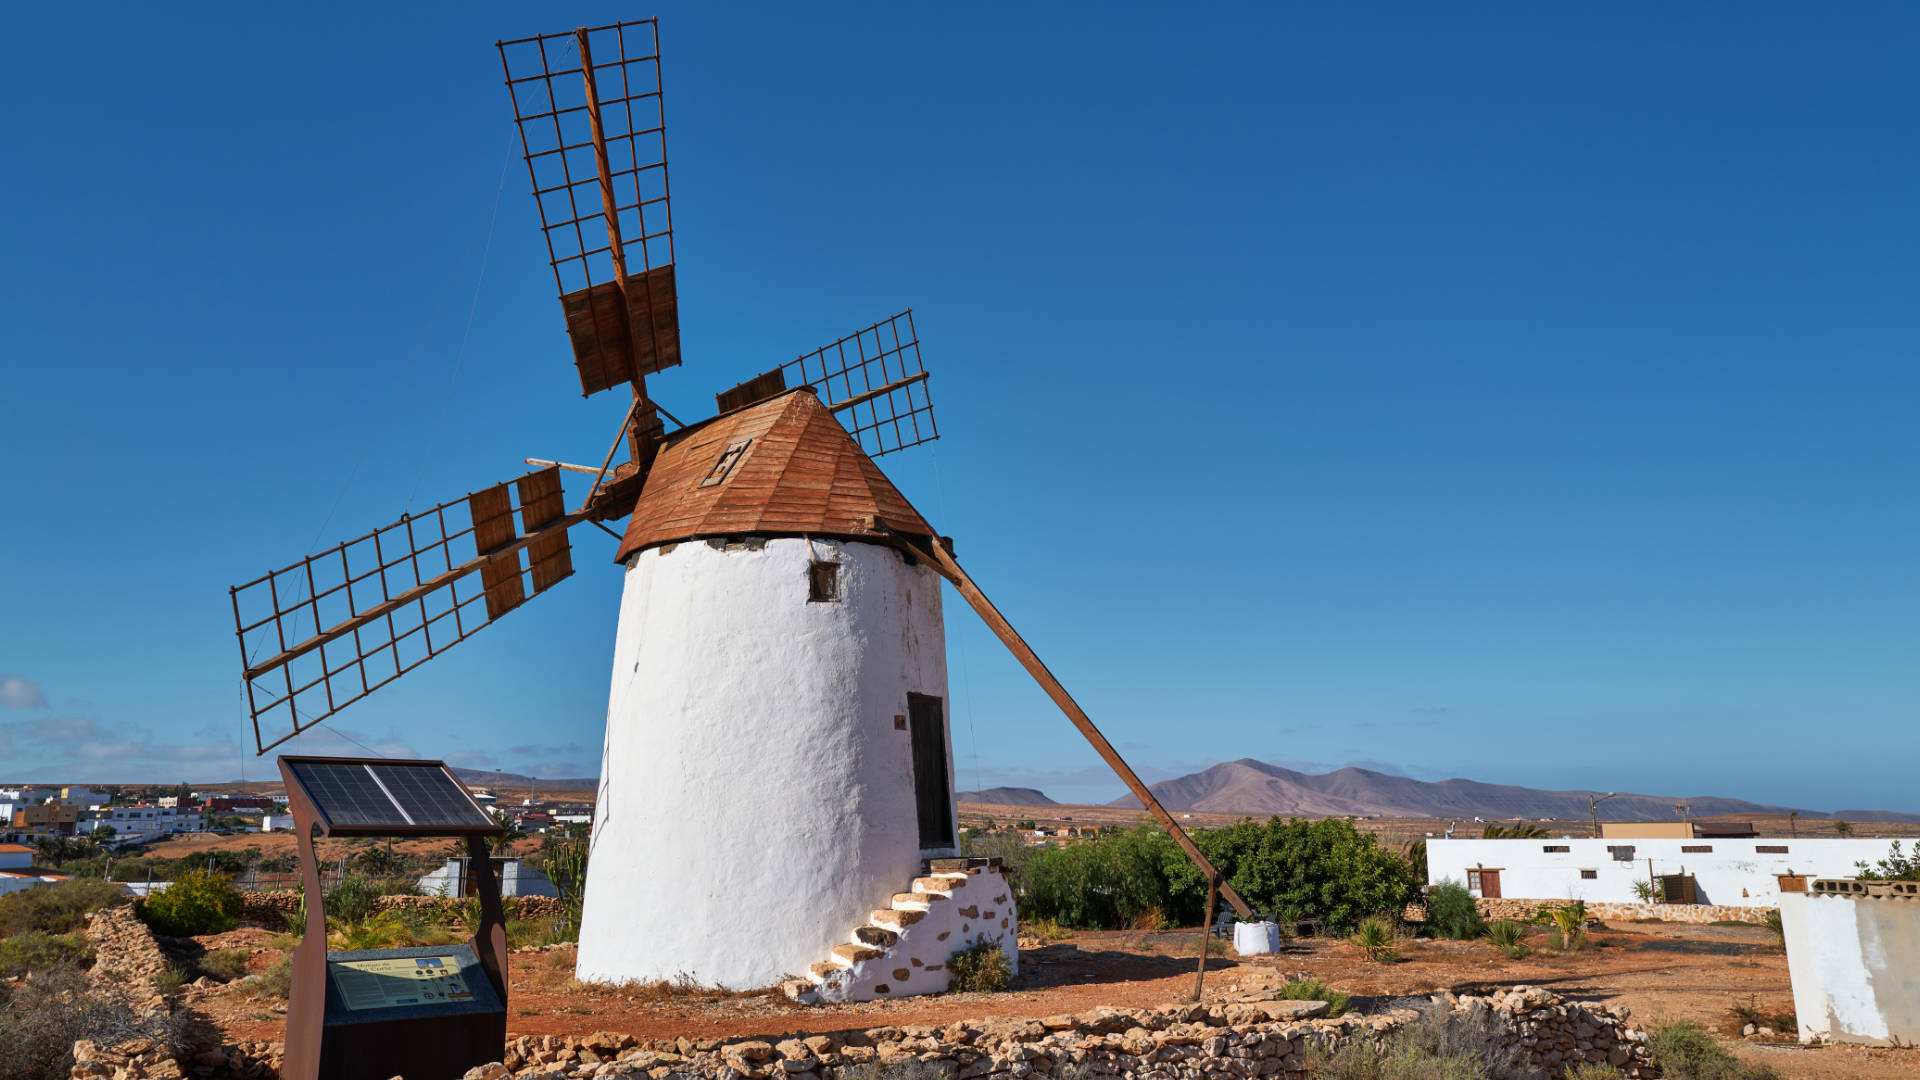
(1515, 396)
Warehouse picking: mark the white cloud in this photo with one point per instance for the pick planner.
(17, 692)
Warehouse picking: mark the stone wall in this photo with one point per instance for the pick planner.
(1174, 1042)
(272, 908)
(1522, 910)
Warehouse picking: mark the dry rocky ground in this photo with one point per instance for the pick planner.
(1651, 972)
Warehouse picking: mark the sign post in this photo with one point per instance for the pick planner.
(426, 1013)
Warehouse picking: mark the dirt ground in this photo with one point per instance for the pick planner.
(1662, 971)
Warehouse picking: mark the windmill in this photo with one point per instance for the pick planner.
(777, 758)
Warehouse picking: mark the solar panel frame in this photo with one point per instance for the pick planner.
(384, 797)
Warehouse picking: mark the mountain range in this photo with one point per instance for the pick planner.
(1247, 786)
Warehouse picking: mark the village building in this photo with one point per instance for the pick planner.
(1740, 872)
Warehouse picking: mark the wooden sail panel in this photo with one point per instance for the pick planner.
(541, 503)
(609, 340)
(492, 511)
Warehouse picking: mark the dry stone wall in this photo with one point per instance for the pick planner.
(1173, 1042)
(272, 908)
(1522, 910)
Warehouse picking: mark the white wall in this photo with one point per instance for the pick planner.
(1852, 962)
(756, 800)
(1733, 873)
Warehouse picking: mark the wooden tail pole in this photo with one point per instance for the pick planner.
(1206, 938)
(1028, 659)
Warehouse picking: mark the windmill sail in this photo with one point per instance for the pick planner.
(872, 380)
(332, 628)
(588, 106)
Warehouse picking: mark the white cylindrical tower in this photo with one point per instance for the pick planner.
(775, 734)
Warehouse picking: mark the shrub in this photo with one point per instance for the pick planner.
(1452, 912)
(1686, 1051)
(353, 899)
(41, 1019)
(1509, 937)
(1440, 1045)
(981, 968)
(1643, 891)
(37, 950)
(196, 903)
(1774, 924)
(56, 909)
(1045, 929)
(378, 930)
(1315, 990)
(1376, 938)
(1897, 866)
(277, 980)
(1783, 1022)
(1594, 1070)
(224, 965)
(169, 980)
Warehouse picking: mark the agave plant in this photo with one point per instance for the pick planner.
(1374, 936)
(1509, 937)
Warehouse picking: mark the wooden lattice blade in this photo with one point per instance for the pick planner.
(872, 379)
(332, 628)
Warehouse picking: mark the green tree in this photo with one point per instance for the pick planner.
(1844, 828)
(1897, 866)
(195, 903)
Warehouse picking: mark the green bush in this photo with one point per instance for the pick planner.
(277, 980)
(223, 965)
(56, 909)
(195, 903)
(1315, 990)
(1452, 912)
(981, 968)
(37, 950)
(1594, 1070)
(1327, 870)
(353, 900)
(1509, 937)
(1686, 1051)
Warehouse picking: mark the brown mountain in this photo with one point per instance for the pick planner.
(1005, 796)
(1255, 787)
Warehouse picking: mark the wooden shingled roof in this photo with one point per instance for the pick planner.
(782, 467)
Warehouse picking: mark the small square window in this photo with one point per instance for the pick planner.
(1473, 879)
(1589, 875)
(1696, 849)
(823, 582)
(1553, 848)
(899, 723)
(1622, 853)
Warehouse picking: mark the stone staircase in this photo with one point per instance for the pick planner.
(901, 950)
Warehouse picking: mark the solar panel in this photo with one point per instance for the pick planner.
(377, 794)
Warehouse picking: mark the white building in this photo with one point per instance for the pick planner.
(1852, 950)
(1742, 872)
(516, 879)
(777, 762)
(17, 873)
(138, 824)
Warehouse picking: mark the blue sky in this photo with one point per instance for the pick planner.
(1520, 396)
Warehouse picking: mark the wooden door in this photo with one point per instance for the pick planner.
(932, 798)
(1490, 884)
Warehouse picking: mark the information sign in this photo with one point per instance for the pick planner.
(404, 980)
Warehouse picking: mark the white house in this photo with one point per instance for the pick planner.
(1741, 872)
(137, 824)
(516, 879)
(17, 872)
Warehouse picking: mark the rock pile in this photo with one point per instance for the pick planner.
(1557, 1034)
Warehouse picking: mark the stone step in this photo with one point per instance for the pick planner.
(897, 918)
(939, 883)
(877, 936)
(914, 901)
(819, 972)
(850, 955)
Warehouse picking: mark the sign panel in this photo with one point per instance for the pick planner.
(402, 980)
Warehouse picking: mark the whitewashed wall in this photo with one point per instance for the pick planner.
(1733, 873)
(1852, 962)
(756, 800)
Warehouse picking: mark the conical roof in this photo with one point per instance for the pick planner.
(782, 467)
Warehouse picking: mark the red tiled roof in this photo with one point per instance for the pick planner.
(14, 849)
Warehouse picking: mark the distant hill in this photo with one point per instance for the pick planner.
(1255, 787)
(1005, 796)
(485, 778)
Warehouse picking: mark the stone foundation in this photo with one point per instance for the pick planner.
(1522, 910)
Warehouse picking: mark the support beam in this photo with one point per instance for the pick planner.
(936, 554)
(544, 464)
